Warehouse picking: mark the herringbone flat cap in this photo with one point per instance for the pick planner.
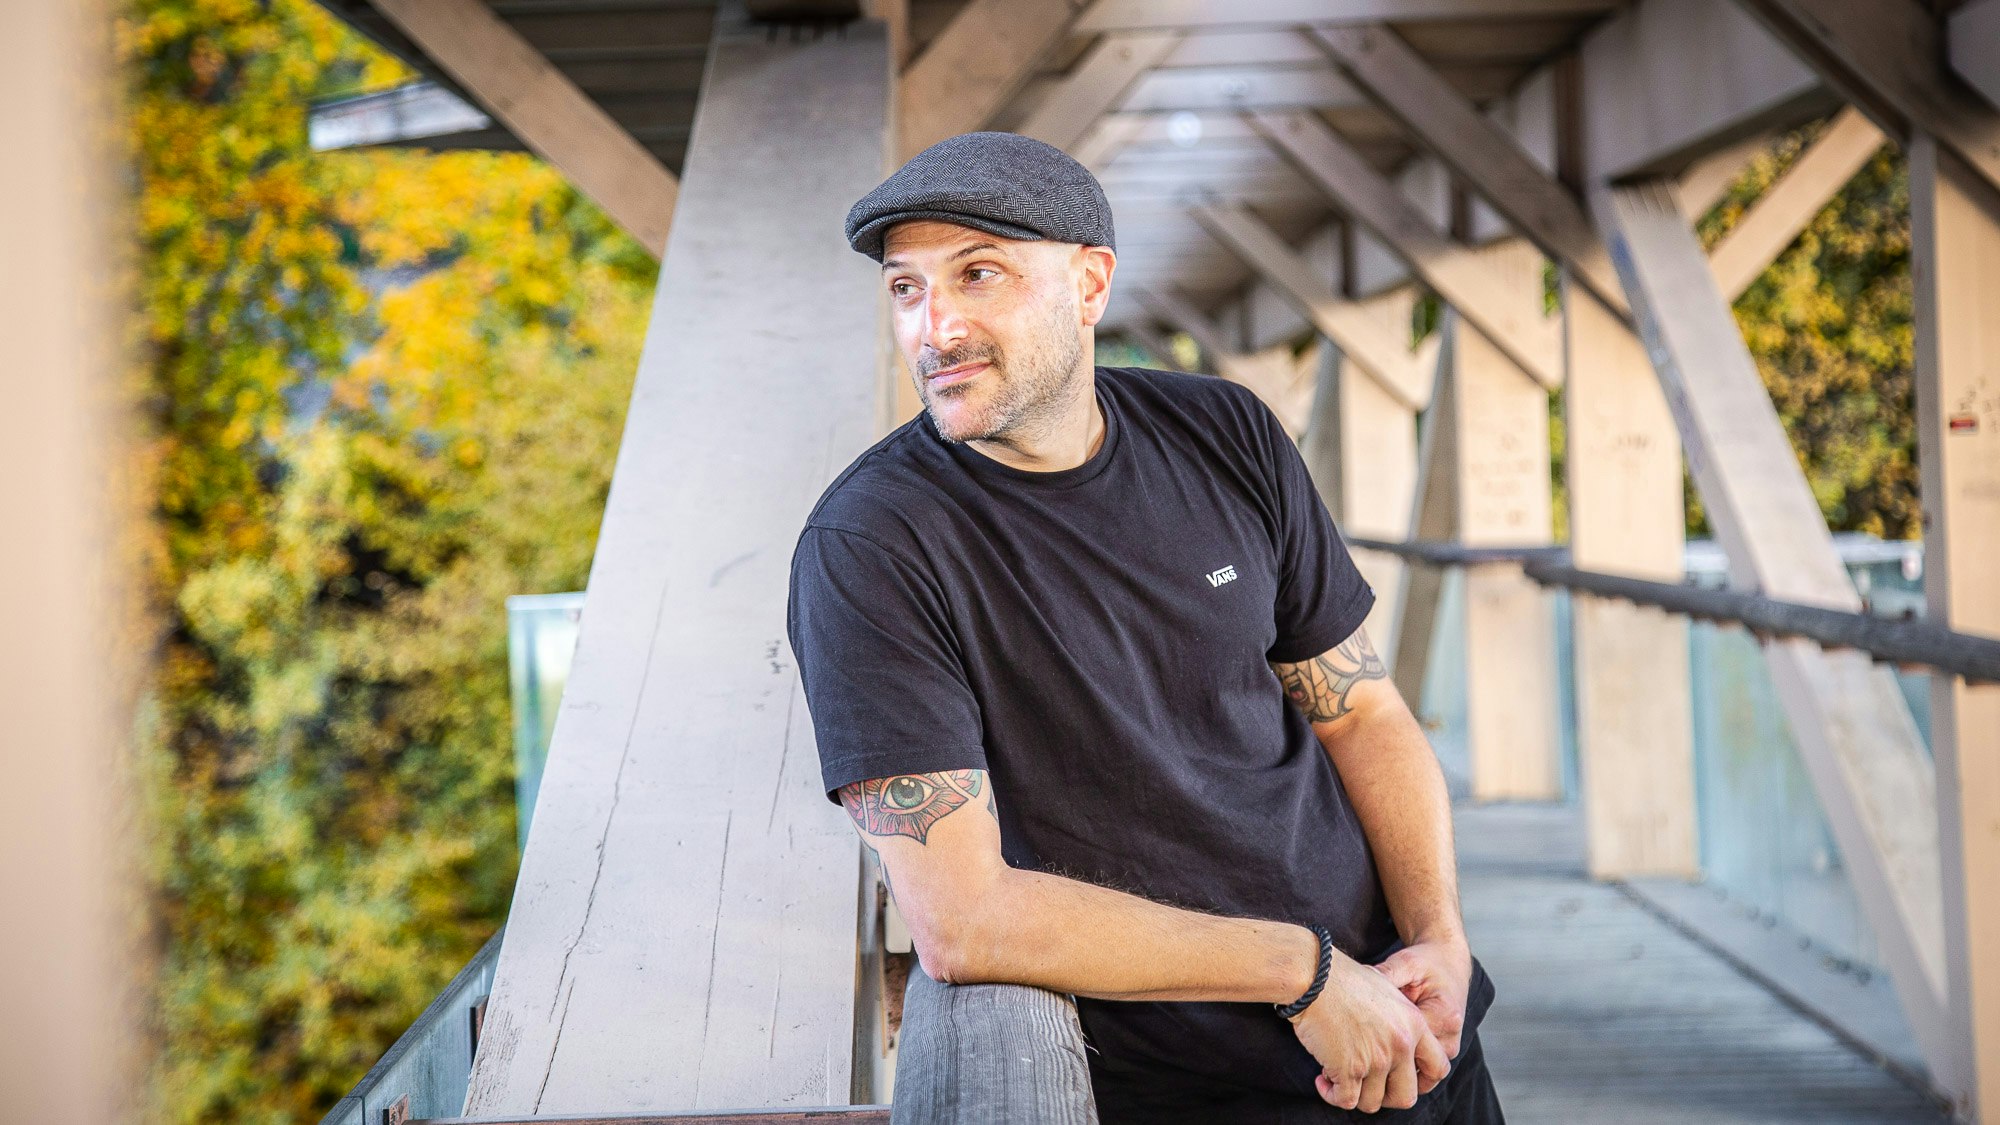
(1001, 183)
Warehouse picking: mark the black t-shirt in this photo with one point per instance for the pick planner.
(1098, 639)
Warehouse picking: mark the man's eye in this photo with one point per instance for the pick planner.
(973, 273)
(902, 288)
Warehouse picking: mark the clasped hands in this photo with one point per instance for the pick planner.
(1383, 1034)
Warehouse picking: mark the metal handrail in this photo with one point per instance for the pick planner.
(1892, 640)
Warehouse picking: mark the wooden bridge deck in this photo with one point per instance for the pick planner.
(1605, 1013)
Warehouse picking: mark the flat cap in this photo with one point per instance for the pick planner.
(1001, 183)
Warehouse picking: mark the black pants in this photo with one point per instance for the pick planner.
(1465, 1097)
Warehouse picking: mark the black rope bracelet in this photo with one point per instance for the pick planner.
(1319, 975)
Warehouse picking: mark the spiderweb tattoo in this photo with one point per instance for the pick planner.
(908, 804)
(1320, 686)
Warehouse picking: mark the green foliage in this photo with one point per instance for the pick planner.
(1829, 325)
(383, 391)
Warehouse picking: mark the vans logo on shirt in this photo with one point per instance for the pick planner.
(1218, 577)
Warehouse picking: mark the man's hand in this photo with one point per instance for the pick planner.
(1373, 1046)
(1435, 976)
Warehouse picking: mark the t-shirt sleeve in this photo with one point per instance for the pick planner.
(883, 678)
(1322, 597)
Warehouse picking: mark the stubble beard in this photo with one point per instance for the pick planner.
(1030, 392)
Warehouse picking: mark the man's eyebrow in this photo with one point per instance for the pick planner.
(898, 263)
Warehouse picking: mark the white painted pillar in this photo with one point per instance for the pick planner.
(1635, 729)
(1955, 228)
(1500, 420)
(684, 931)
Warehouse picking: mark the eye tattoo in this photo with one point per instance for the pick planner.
(908, 804)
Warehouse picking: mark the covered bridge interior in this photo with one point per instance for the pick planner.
(1405, 224)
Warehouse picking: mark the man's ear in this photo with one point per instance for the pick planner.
(1094, 268)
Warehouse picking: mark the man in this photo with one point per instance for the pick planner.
(1084, 657)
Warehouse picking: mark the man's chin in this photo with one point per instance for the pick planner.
(955, 422)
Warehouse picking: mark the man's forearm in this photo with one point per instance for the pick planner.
(1392, 777)
(1026, 927)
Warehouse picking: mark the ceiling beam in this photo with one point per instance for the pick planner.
(1462, 276)
(1138, 15)
(1890, 60)
(522, 89)
(1365, 340)
(973, 66)
(1095, 84)
(1774, 221)
(1479, 151)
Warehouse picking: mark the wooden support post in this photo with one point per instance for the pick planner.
(1634, 723)
(1955, 234)
(1853, 730)
(1775, 220)
(1501, 438)
(518, 85)
(1433, 517)
(683, 935)
(70, 983)
(1361, 446)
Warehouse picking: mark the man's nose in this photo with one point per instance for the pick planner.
(944, 321)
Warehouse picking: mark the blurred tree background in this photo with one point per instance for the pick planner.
(1829, 325)
(383, 391)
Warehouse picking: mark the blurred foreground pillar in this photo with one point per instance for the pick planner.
(64, 1029)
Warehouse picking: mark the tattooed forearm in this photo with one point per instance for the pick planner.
(908, 804)
(1320, 686)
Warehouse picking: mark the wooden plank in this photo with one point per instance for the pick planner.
(73, 981)
(1854, 731)
(1479, 151)
(521, 88)
(1783, 210)
(1634, 723)
(1270, 374)
(687, 893)
(1708, 179)
(1955, 271)
(1373, 345)
(1135, 15)
(1890, 60)
(970, 70)
(1095, 85)
(1462, 276)
(1227, 88)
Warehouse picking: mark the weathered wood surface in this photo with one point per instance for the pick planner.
(1605, 1013)
(683, 934)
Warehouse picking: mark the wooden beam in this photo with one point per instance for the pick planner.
(1479, 151)
(1462, 276)
(1854, 732)
(1094, 86)
(1135, 15)
(1955, 271)
(521, 88)
(1783, 210)
(1434, 505)
(970, 70)
(1376, 348)
(1890, 60)
(682, 851)
(1175, 310)
(1634, 717)
(73, 979)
